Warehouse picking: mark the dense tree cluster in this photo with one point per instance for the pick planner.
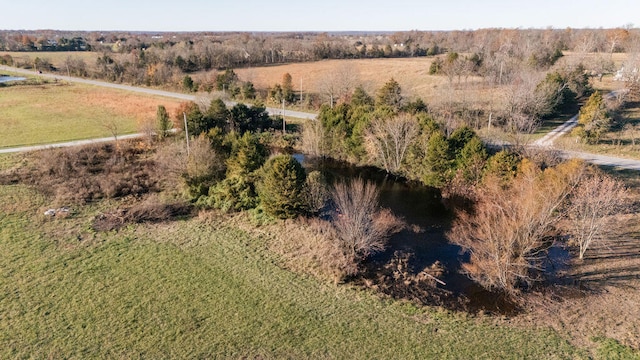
(397, 135)
(21, 41)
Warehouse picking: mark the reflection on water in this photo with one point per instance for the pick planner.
(6, 78)
(420, 206)
(428, 221)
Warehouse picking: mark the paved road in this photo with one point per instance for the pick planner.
(547, 142)
(67, 144)
(604, 160)
(169, 94)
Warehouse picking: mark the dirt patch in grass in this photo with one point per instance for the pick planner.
(88, 173)
(151, 210)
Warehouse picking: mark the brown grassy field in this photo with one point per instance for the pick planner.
(571, 57)
(413, 76)
(56, 58)
(411, 73)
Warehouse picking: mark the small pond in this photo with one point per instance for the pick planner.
(7, 78)
(423, 210)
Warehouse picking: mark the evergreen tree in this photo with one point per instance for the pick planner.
(226, 81)
(282, 190)
(504, 165)
(247, 156)
(390, 94)
(417, 167)
(164, 123)
(248, 91)
(472, 159)
(438, 160)
(196, 121)
(287, 88)
(188, 84)
(361, 98)
(459, 139)
(237, 191)
(218, 114)
(593, 120)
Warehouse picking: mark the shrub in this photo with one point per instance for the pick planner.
(232, 194)
(88, 173)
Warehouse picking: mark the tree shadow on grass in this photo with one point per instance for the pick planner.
(615, 263)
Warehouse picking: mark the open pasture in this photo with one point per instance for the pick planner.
(56, 112)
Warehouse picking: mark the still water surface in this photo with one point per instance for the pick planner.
(4, 78)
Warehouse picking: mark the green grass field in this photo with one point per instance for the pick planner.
(204, 289)
(53, 113)
(50, 112)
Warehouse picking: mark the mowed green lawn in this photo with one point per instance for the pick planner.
(204, 289)
(49, 113)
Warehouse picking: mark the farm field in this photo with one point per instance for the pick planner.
(55, 112)
(411, 73)
(56, 58)
(202, 288)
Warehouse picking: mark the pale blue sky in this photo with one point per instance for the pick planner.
(309, 15)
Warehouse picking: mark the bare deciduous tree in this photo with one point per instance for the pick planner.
(338, 83)
(594, 201)
(361, 226)
(313, 138)
(202, 160)
(317, 192)
(147, 126)
(524, 103)
(511, 228)
(387, 140)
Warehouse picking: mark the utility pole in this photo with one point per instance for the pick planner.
(300, 89)
(284, 123)
(186, 131)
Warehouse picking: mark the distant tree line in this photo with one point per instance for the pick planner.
(25, 42)
(191, 52)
